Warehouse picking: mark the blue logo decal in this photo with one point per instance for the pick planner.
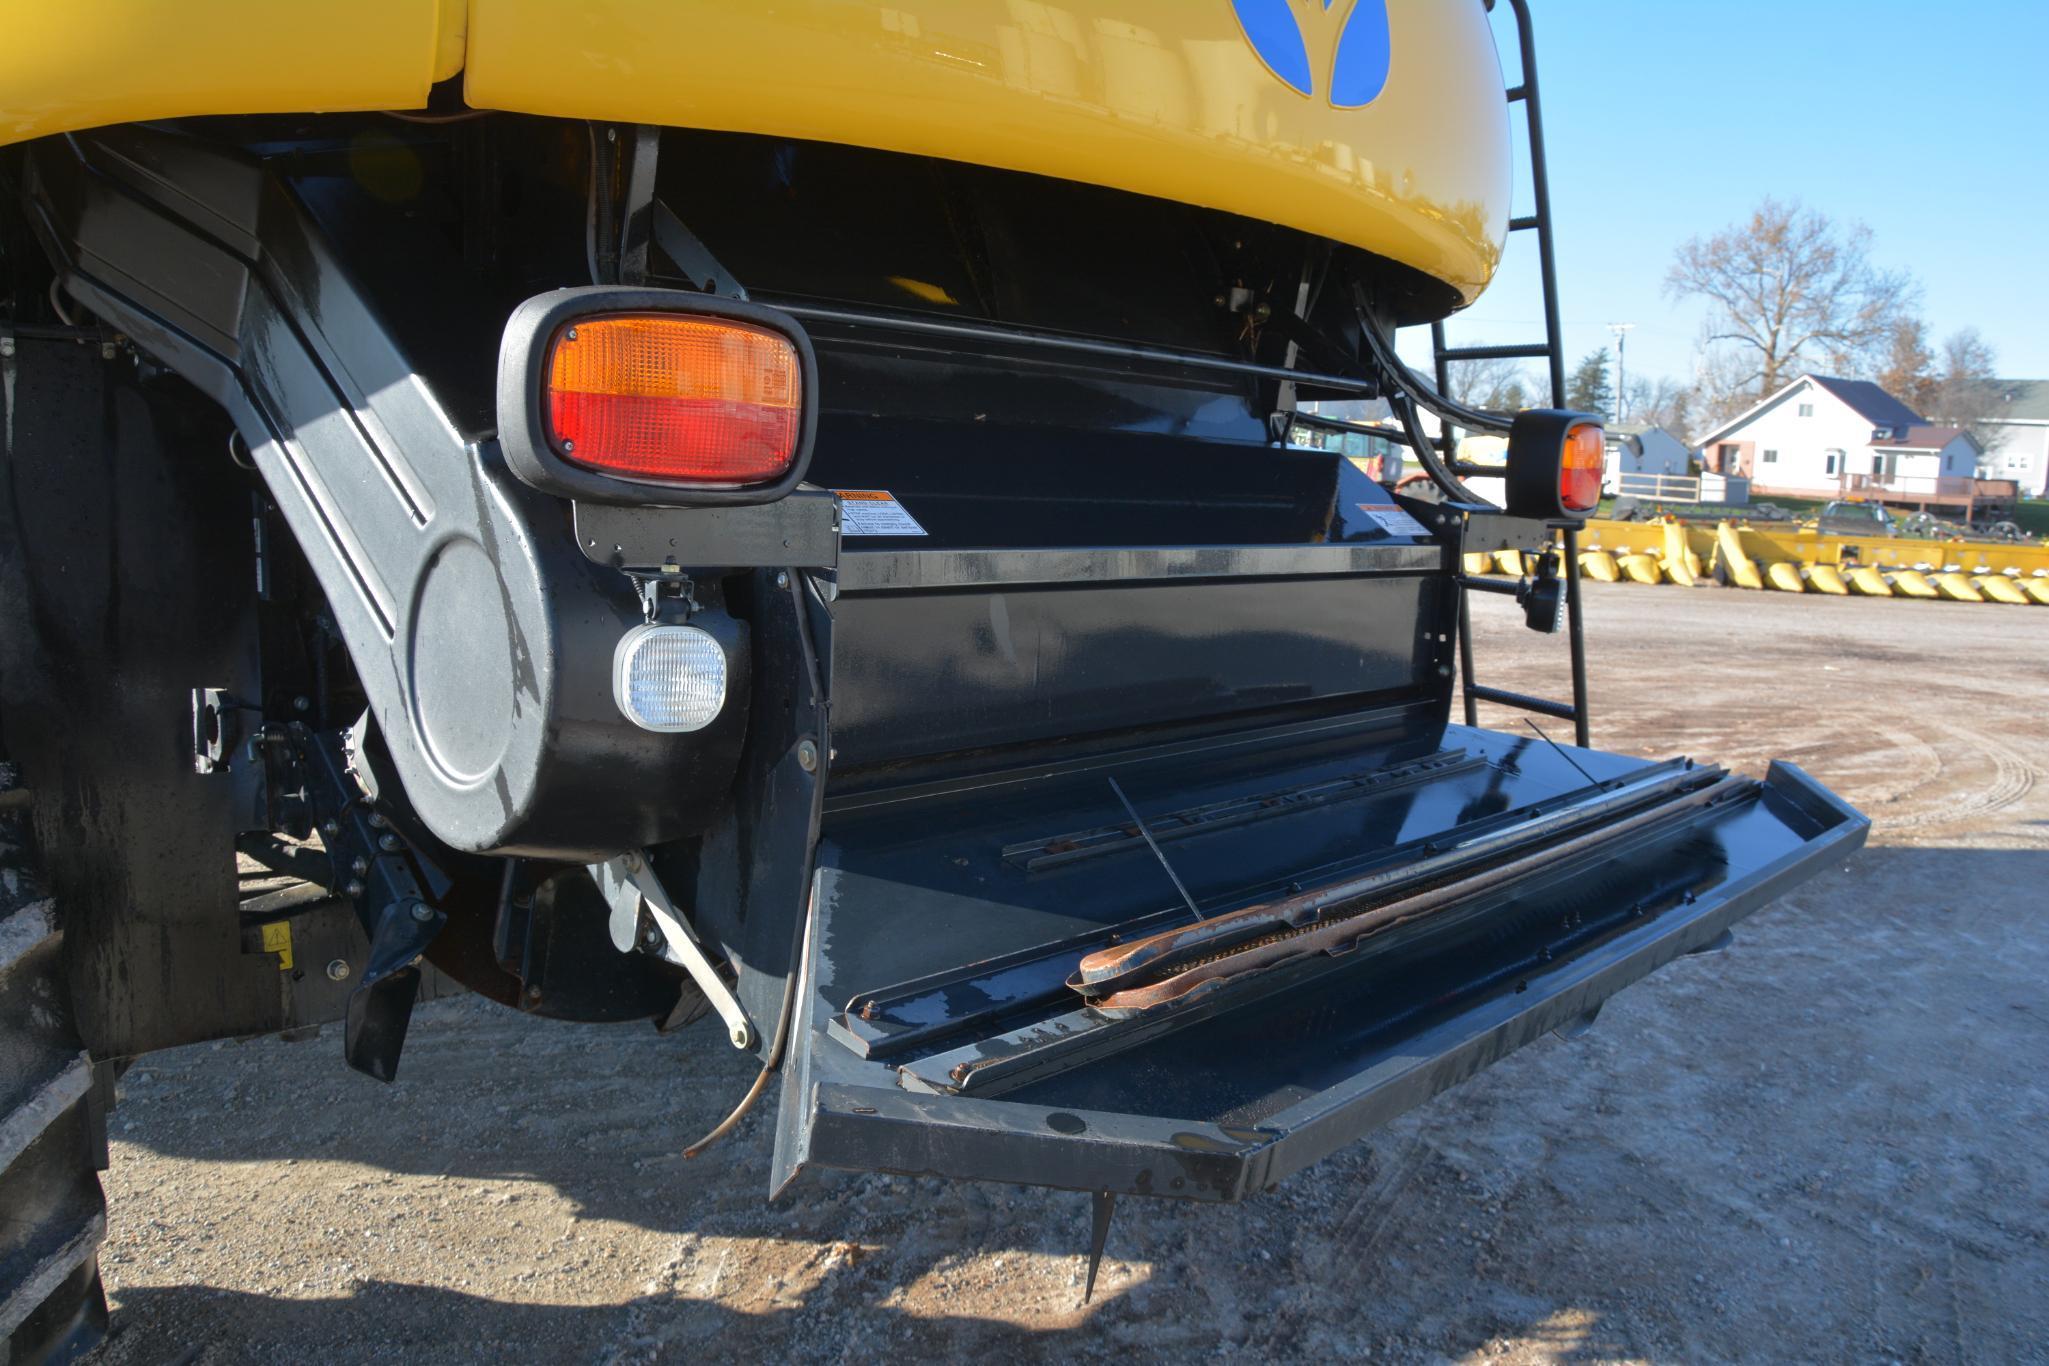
(1358, 67)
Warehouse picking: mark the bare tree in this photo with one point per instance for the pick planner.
(1966, 390)
(1790, 291)
(1498, 385)
(1908, 369)
(1661, 402)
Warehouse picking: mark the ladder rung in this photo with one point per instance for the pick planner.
(1525, 224)
(1523, 701)
(1527, 351)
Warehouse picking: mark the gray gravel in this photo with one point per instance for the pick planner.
(1830, 1142)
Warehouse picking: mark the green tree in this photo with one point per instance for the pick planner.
(1589, 391)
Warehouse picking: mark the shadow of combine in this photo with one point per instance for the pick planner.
(1784, 1150)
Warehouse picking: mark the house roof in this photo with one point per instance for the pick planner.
(1871, 402)
(1923, 438)
(2023, 400)
(1864, 398)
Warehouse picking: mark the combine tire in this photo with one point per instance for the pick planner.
(53, 1138)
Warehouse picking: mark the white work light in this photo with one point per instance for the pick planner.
(669, 678)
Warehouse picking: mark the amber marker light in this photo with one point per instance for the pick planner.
(675, 399)
(1580, 466)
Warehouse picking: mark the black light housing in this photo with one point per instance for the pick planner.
(1555, 459)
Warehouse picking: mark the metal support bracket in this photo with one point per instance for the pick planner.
(627, 884)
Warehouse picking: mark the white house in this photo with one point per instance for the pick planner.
(1808, 438)
(2019, 444)
(1921, 460)
(1638, 448)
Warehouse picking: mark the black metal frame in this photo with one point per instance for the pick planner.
(1552, 351)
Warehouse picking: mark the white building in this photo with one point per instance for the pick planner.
(1805, 439)
(1834, 438)
(2019, 447)
(1638, 448)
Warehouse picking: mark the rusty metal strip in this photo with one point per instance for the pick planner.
(1333, 919)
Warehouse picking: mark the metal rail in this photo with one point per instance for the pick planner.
(1010, 336)
(1552, 351)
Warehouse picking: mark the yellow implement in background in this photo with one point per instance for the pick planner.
(1733, 560)
(1999, 588)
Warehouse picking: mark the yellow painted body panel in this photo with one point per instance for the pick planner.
(1643, 568)
(1785, 576)
(1509, 562)
(1912, 583)
(1870, 582)
(1826, 578)
(1478, 562)
(1729, 552)
(1999, 588)
(1600, 566)
(87, 63)
(1957, 588)
(1160, 97)
(2038, 589)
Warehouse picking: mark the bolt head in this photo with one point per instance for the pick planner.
(422, 912)
(388, 843)
(782, 578)
(355, 888)
(807, 756)
(338, 970)
(359, 865)
(330, 827)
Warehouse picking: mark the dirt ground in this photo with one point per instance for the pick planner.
(1830, 1142)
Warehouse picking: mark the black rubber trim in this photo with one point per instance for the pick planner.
(522, 428)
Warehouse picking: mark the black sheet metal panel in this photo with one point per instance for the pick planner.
(127, 580)
(483, 639)
(930, 672)
(1228, 1103)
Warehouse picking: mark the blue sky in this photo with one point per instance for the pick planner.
(1666, 118)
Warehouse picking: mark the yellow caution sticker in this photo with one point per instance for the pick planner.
(277, 939)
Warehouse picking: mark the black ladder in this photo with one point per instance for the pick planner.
(1552, 351)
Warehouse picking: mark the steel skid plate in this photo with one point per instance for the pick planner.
(942, 1022)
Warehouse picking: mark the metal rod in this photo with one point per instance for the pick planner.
(1513, 590)
(1465, 660)
(1522, 701)
(1503, 351)
(1009, 337)
(1154, 845)
(1540, 185)
(1576, 633)
(1591, 780)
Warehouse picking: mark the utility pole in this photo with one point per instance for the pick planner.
(1621, 331)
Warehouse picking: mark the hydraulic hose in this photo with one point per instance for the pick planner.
(793, 980)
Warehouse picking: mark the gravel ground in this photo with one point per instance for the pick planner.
(1830, 1142)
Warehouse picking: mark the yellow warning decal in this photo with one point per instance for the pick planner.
(277, 939)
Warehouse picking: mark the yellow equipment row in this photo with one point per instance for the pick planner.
(1799, 560)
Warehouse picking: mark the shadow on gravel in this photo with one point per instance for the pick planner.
(1815, 1143)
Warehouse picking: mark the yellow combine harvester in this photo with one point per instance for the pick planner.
(787, 515)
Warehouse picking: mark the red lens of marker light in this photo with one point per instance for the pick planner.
(675, 399)
(1579, 468)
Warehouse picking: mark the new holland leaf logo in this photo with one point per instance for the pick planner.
(1358, 53)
